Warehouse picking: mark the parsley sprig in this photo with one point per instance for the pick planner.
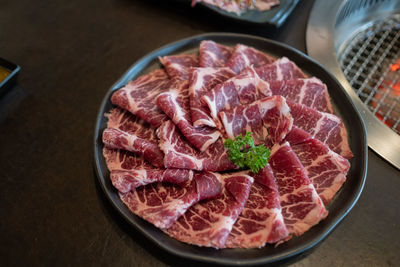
(243, 153)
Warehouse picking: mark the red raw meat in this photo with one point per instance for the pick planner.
(201, 81)
(302, 208)
(268, 119)
(261, 220)
(175, 103)
(244, 56)
(162, 204)
(127, 122)
(212, 54)
(179, 65)
(209, 223)
(244, 88)
(297, 136)
(138, 96)
(326, 169)
(180, 154)
(281, 69)
(117, 139)
(128, 171)
(325, 127)
(309, 92)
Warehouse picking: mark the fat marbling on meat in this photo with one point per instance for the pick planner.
(302, 208)
(180, 154)
(203, 80)
(208, 223)
(175, 103)
(138, 96)
(162, 203)
(212, 54)
(261, 220)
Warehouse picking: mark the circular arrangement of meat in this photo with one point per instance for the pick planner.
(164, 147)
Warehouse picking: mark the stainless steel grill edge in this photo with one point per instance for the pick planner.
(357, 41)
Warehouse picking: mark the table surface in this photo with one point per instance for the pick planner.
(53, 211)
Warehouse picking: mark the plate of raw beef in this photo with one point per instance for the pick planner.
(161, 161)
(275, 15)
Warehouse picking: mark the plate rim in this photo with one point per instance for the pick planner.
(176, 45)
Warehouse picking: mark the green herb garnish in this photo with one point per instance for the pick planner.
(243, 153)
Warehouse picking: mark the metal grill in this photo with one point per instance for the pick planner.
(366, 62)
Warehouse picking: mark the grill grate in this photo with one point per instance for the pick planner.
(366, 62)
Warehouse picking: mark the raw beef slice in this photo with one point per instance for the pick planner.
(203, 80)
(245, 56)
(117, 139)
(128, 171)
(309, 92)
(162, 204)
(326, 169)
(212, 54)
(244, 88)
(209, 223)
(180, 154)
(127, 122)
(325, 127)
(302, 208)
(175, 103)
(281, 69)
(179, 65)
(261, 220)
(138, 96)
(268, 119)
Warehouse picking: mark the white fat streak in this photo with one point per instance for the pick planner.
(262, 86)
(178, 114)
(211, 105)
(279, 74)
(238, 82)
(228, 126)
(130, 138)
(303, 91)
(244, 56)
(241, 82)
(211, 55)
(141, 176)
(265, 105)
(177, 66)
(204, 122)
(210, 141)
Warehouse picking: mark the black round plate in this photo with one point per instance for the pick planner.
(339, 207)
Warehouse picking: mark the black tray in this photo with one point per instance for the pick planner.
(12, 76)
(339, 207)
(276, 16)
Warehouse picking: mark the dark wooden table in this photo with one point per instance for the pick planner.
(52, 209)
